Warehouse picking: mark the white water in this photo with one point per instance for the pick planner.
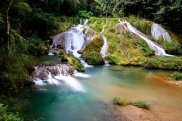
(157, 49)
(50, 53)
(72, 82)
(57, 75)
(104, 48)
(82, 75)
(73, 40)
(159, 32)
(105, 45)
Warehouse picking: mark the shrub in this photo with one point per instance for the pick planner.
(94, 58)
(119, 101)
(141, 104)
(84, 14)
(177, 75)
(168, 63)
(173, 48)
(8, 116)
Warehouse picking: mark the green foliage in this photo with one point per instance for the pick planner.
(47, 24)
(168, 63)
(93, 58)
(8, 116)
(119, 101)
(143, 47)
(13, 73)
(177, 75)
(72, 60)
(84, 14)
(141, 104)
(34, 46)
(173, 48)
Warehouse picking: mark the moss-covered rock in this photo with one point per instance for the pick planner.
(93, 58)
(72, 60)
(167, 63)
(92, 51)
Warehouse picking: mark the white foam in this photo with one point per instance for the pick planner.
(81, 75)
(72, 82)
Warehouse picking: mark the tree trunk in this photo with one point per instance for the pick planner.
(8, 27)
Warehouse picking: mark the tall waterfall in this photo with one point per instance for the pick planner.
(104, 48)
(157, 49)
(159, 32)
(105, 45)
(73, 40)
(57, 75)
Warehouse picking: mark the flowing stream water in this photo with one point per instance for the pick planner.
(101, 84)
(157, 49)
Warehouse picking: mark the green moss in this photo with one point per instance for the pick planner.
(141, 104)
(173, 48)
(94, 46)
(72, 60)
(119, 101)
(92, 52)
(133, 50)
(168, 63)
(143, 47)
(94, 58)
(177, 75)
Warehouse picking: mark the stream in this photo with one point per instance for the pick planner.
(57, 103)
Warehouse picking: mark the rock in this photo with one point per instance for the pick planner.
(43, 72)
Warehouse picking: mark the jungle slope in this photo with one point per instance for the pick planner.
(126, 48)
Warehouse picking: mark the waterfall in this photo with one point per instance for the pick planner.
(56, 75)
(157, 49)
(158, 32)
(104, 48)
(73, 40)
(105, 45)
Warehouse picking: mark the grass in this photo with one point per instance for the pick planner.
(166, 63)
(119, 101)
(177, 75)
(122, 102)
(141, 104)
(138, 52)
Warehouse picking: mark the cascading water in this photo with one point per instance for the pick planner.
(159, 32)
(158, 50)
(104, 48)
(73, 40)
(57, 75)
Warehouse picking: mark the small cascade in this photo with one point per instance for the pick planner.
(74, 40)
(159, 32)
(56, 75)
(157, 49)
(50, 53)
(104, 48)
